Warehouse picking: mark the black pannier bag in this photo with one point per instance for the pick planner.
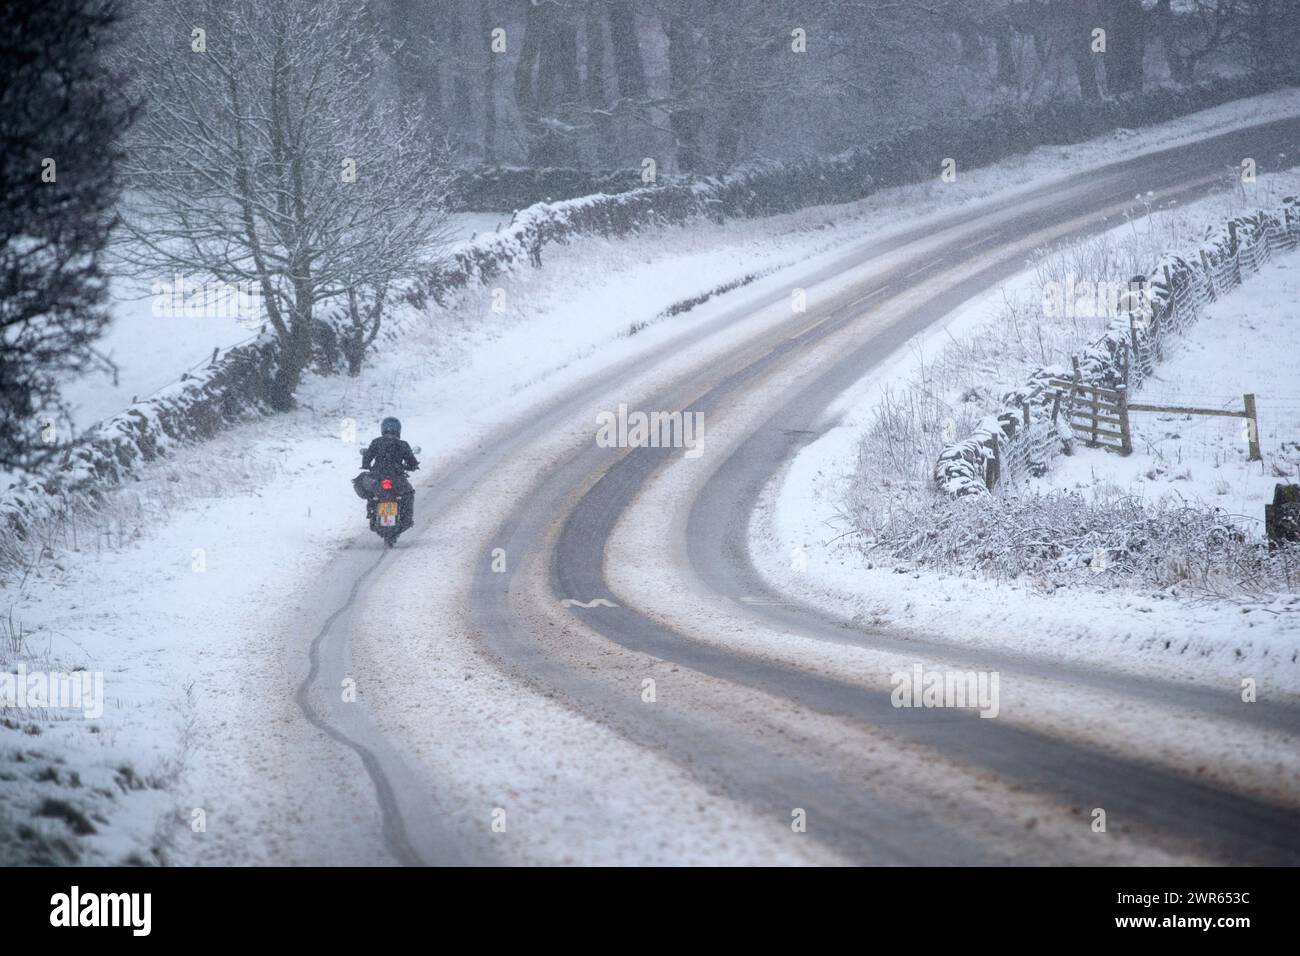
(365, 485)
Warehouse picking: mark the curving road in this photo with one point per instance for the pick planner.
(773, 705)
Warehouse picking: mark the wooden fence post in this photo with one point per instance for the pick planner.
(1171, 306)
(1126, 436)
(1096, 417)
(991, 475)
(1252, 428)
(1236, 253)
(1209, 274)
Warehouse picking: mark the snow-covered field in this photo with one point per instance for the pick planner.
(181, 598)
(150, 351)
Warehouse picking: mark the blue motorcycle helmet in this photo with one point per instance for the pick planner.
(391, 426)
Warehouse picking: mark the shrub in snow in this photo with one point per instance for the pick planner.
(1062, 538)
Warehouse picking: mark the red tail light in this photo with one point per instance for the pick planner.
(386, 484)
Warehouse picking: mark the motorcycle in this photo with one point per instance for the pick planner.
(384, 496)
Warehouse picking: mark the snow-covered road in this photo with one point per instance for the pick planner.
(704, 716)
(778, 709)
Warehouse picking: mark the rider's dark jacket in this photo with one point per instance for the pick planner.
(389, 456)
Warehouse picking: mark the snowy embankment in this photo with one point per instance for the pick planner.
(184, 594)
(1243, 343)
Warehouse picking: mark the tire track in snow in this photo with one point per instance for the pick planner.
(392, 779)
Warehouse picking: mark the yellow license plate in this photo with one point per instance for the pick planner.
(388, 509)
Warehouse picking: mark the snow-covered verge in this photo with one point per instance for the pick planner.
(1094, 611)
(1161, 633)
(183, 588)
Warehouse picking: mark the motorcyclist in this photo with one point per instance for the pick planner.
(390, 457)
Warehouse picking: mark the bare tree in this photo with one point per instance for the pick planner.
(408, 38)
(458, 52)
(1199, 28)
(1125, 22)
(595, 83)
(686, 92)
(1272, 33)
(629, 65)
(547, 87)
(486, 25)
(264, 157)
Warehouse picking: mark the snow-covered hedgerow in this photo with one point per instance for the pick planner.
(1022, 440)
(507, 188)
(202, 403)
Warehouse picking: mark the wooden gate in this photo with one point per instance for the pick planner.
(1097, 416)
